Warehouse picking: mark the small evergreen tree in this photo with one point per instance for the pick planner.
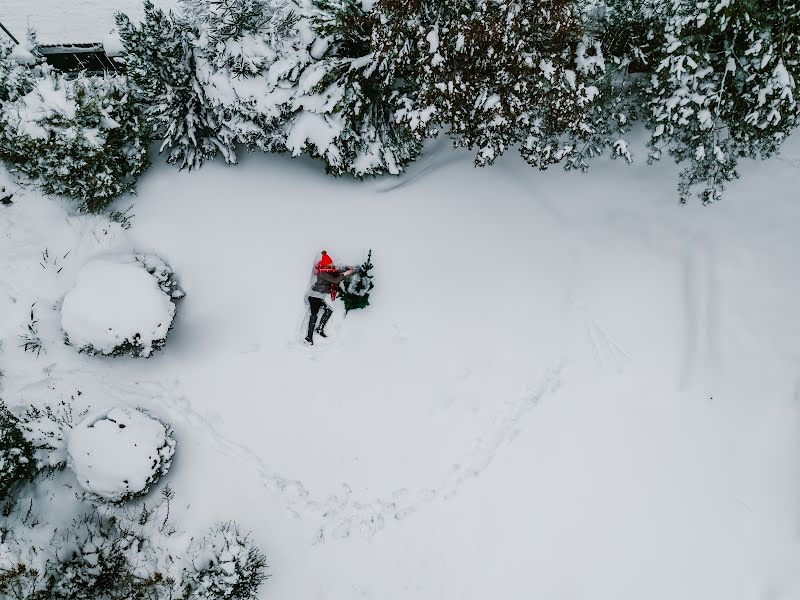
(159, 54)
(354, 291)
(17, 460)
(228, 565)
(724, 86)
(19, 67)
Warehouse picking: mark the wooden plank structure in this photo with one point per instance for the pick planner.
(72, 58)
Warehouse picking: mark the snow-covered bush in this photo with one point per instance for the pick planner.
(161, 63)
(120, 453)
(46, 428)
(17, 462)
(226, 564)
(94, 557)
(78, 137)
(117, 308)
(724, 86)
(19, 67)
(112, 552)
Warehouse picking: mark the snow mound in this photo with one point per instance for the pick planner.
(119, 453)
(117, 308)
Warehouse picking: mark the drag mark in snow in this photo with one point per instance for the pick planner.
(701, 297)
(607, 351)
(341, 514)
(409, 179)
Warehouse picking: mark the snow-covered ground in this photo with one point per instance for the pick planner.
(566, 386)
(68, 21)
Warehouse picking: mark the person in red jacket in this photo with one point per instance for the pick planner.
(326, 284)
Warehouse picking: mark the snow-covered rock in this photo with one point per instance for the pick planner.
(117, 308)
(119, 453)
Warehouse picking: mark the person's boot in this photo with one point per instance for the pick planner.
(312, 320)
(325, 316)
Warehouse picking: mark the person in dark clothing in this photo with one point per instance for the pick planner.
(326, 284)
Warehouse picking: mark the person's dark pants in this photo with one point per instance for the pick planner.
(315, 304)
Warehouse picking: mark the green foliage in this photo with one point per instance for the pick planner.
(17, 78)
(79, 138)
(355, 290)
(97, 558)
(17, 462)
(249, 55)
(724, 86)
(233, 568)
(495, 75)
(363, 92)
(159, 54)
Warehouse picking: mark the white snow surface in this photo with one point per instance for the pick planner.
(113, 302)
(117, 453)
(565, 386)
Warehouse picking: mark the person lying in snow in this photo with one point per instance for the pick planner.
(326, 284)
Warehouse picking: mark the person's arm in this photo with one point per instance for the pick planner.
(332, 278)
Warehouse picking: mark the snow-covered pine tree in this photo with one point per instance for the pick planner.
(724, 87)
(78, 137)
(614, 54)
(160, 58)
(496, 75)
(630, 30)
(350, 99)
(249, 55)
(354, 291)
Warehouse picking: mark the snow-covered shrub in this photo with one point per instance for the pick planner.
(94, 557)
(117, 308)
(77, 137)
(120, 453)
(17, 461)
(161, 63)
(19, 67)
(46, 428)
(123, 552)
(226, 564)
(724, 86)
